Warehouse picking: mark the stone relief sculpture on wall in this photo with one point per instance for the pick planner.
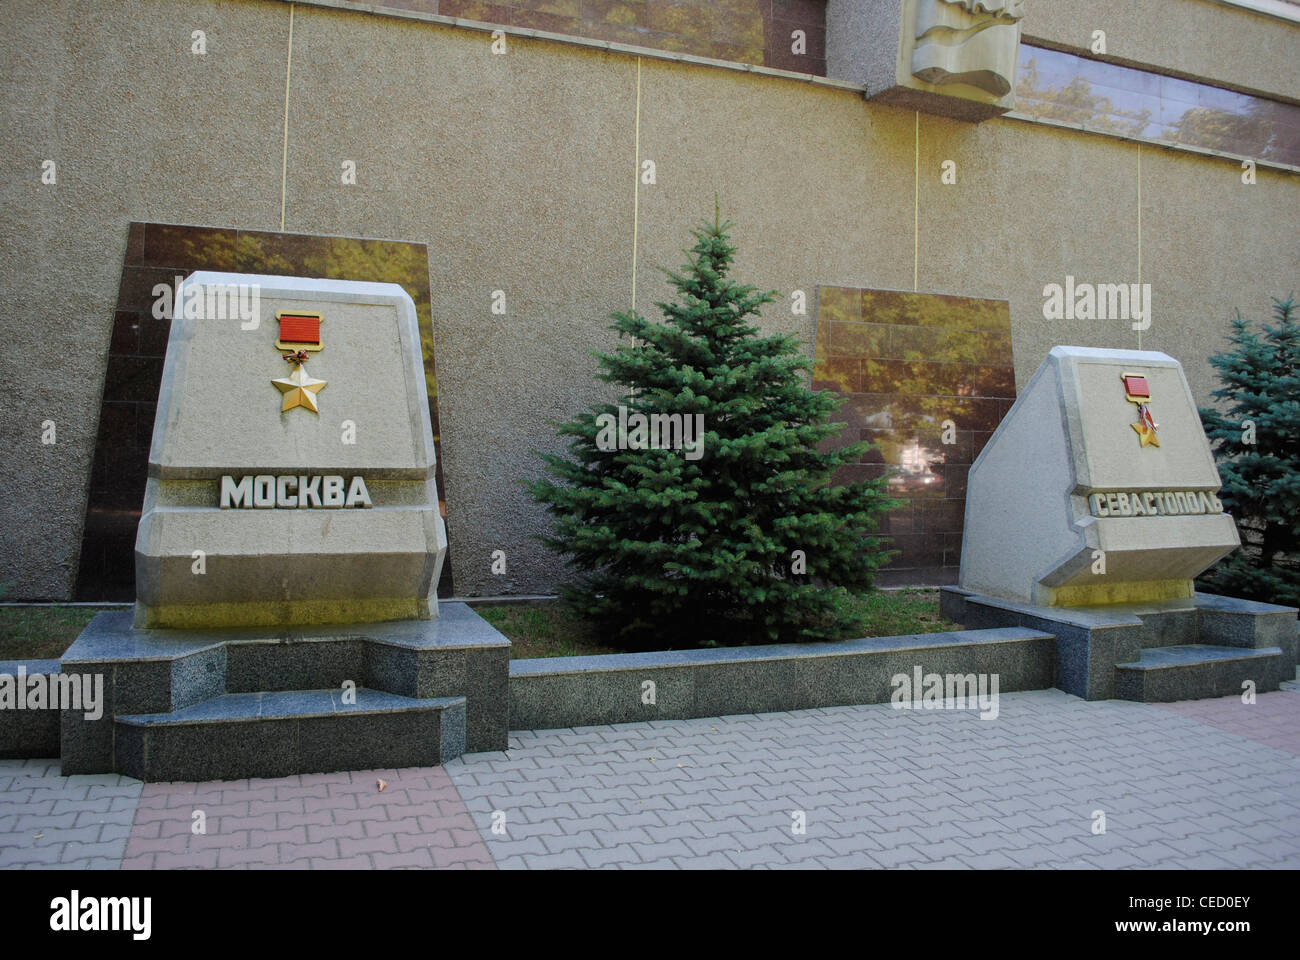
(974, 42)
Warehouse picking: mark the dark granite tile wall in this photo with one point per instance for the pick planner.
(904, 363)
(746, 31)
(158, 253)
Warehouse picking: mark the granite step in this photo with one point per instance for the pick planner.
(1196, 671)
(280, 733)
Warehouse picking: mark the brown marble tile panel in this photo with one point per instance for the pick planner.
(132, 378)
(857, 339)
(628, 13)
(281, 254)
(153, 335)
(839, 304)
(135, 289)
(177, 246)
(683, 19)
(558, 8)
(550, 22)
(948, 346)
(841, 374)
(475, 10)
(942, 516)
(935, 310)
(134, 244)
(126, 332)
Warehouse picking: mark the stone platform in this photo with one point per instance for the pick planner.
(239, 703)
(1158, 652)
(552, 692)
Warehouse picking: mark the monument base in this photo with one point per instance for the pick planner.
(237, 703)
(1155, 652)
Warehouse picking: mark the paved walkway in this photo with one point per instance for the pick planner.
(1199, 784)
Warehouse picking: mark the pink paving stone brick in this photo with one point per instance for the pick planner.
(198, 859)
(435, 796)
(151, 830)
(434, 824)
(144, 861)
(408, 860)
(466, 838)
(361, 815)
(174, 828)
(141, 845)
(359, 862)
(316, 817)
(460, 820)
(211, 810)
(264, 794)
(233, 858)
(1274, 718)
(345, 801)
(377, 827)
(264, 821)
(446, 857)
(187, 801)
(337, 831)
(225, 840)
(259, 838)
(349, 846)
(308, 851)
(154, 814)
(315, 791)
(257, 808)
(391, 797)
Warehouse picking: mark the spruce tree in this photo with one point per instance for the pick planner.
(743, 540)
(1257, 442)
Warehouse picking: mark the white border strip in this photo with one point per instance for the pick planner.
(1277, 9)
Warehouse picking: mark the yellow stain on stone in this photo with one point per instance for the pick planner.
(279, 613)
(1132, 591)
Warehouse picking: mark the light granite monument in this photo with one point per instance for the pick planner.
(1081, 498)
(955, 58)
(287, 554)
(1089, 512)
(305, 483)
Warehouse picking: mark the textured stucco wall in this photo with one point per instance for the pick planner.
(517, 170)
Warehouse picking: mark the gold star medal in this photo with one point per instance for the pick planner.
(299, 333)
(1137, 391)
(299, 389)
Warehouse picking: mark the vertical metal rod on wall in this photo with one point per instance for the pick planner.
(284, 156)
(916, 200)
(1148, 320)
(636, 180)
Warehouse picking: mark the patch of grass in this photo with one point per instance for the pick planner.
(551, 628)
(41, 633)
(543, 628)
(896, 613)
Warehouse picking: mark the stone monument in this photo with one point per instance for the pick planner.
(287, 554)
(294, 452)
(1089, 513)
